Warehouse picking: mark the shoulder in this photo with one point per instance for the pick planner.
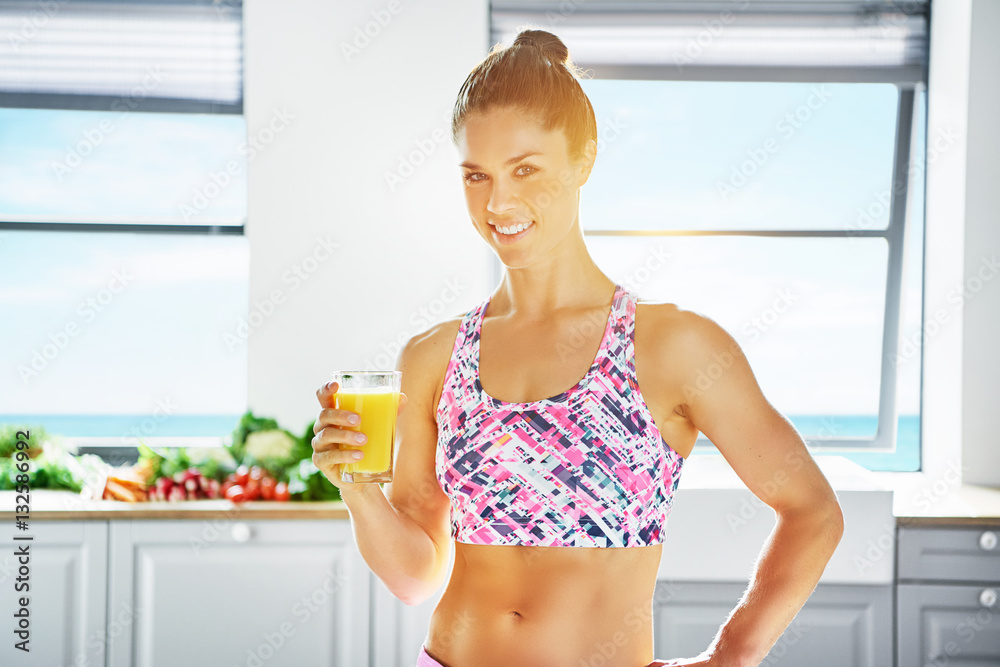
(668, 322)
(683, 339)
(434, 343)
(424, 361)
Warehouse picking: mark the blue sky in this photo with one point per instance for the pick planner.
(666, 148)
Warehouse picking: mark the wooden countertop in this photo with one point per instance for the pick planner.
(53, 505)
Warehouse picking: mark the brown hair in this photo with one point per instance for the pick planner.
(536, 75)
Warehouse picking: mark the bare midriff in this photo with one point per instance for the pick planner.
(546, 606)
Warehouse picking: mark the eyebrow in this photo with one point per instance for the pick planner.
(513, 160)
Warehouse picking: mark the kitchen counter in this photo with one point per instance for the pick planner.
(939, 500)
(918, 499)
(56, 505)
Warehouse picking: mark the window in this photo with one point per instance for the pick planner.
(124, 272)
(766, 170)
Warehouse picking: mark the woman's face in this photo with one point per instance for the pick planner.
(515, 173)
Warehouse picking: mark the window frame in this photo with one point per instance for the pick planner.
(908, 80)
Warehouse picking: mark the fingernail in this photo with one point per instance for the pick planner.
(354, 419)
(360, 437)
(358, 455)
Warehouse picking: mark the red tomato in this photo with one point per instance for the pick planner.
(242, 475)
(267, 488)
(257, 473)
(252, 489)
(236, 493)
(281, 491)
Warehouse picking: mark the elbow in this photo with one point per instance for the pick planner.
(415, 594)
(416, 591)
(832, 521)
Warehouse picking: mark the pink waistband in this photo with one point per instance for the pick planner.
(425, 660)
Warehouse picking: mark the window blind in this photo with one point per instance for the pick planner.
(736, 39)
(154, 55)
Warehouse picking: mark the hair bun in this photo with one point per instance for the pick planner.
(550, 45)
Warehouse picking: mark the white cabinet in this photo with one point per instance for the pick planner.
(839, 625)
(948, 596)
(67, 576)
(280, 593)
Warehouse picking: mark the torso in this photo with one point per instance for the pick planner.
(526, 605)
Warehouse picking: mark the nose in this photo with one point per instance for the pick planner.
(502, 198)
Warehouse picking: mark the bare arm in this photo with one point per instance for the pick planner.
(770, 457)
(403, 530)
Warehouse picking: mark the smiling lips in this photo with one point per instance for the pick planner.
(513, 229)
(508, 234)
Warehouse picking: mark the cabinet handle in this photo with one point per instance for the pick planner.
(241, 532)
(988, 541)
(988, 598)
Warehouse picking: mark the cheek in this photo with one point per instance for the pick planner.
(543, 195)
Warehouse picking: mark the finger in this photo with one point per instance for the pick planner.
(324, 460)
(333, 437)
(325, 393)
(335, 417)
(402, 402)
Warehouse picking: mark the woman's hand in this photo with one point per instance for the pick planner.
(697, 661)
(332, 432)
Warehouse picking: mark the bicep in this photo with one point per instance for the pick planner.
(414, 490)
(724, 401)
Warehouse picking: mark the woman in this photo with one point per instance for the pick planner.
(557, 498)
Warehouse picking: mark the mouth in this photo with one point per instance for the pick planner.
(511, 232)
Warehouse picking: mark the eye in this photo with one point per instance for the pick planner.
(525, 170)
(474, 177)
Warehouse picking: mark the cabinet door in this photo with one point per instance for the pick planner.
(948, 625)
(67, 579)
(839, 625)
(280, 593)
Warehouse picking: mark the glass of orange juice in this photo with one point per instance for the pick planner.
(375, 396)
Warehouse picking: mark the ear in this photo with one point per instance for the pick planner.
(586, 164)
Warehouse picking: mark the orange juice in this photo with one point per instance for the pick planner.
(378, 408)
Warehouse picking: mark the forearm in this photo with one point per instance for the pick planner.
(395, 547)
(790, 565)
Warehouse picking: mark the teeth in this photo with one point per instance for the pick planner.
(514, 229)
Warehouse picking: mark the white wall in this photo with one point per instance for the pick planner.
(981, 331)
(354, 116)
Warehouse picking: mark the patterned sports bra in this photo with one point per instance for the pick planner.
(585, 468)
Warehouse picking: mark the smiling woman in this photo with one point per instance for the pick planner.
(544, 432)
